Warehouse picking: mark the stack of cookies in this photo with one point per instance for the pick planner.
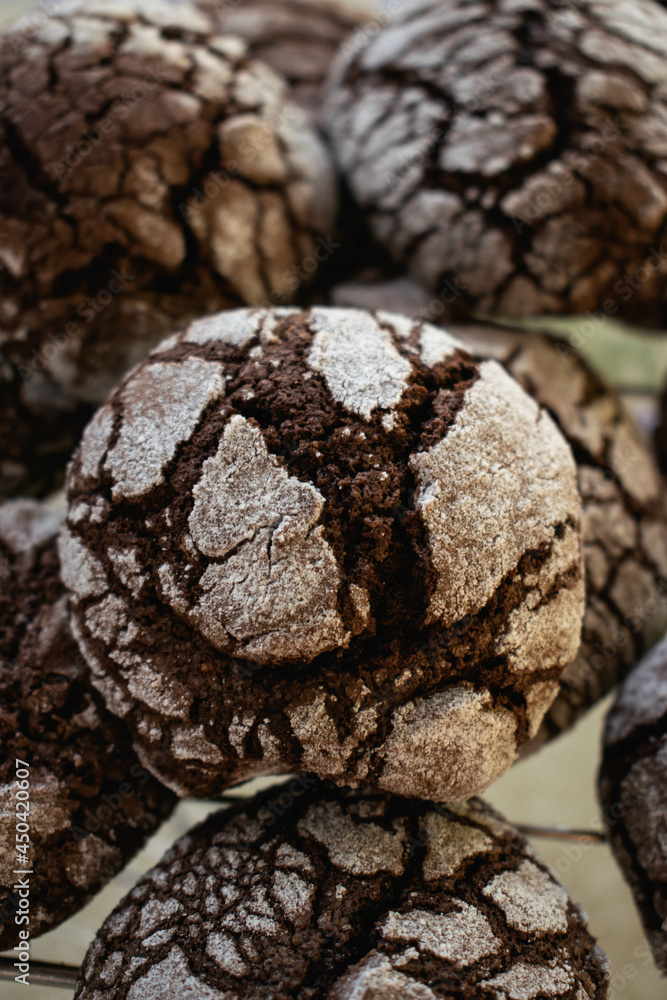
(325, 516)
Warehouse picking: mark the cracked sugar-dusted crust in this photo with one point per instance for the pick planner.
(632, 786)
(308, 892)
(275, 587)
(153, 172)
(277, 597)
(516, 150)
(624, 521)
(296, 38)
(624, 524)
(83, 828)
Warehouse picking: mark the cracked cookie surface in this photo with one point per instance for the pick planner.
(91, 803)
(325, 541)
(624, 523)
(515, 149)
(309, 893)
(633, 791)
(152, 172)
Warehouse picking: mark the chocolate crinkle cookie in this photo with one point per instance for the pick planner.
(516, 150)
(296, 38)
(151, 172)
(633, 791)
(624, 522)
(310, 893)
(66, 762)
(383, 287)
(325, 541)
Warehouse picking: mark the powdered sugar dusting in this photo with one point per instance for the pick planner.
(95, 441)
(463, 936)
(490, 490)
(375, 977)
(158, 981)
(237, 327)
(530, 899)
(26, 524)
(362, 367)
(529, 982)
(305, 866)
(162, 405)
(81, 571)
(437, 345)
(449, 844)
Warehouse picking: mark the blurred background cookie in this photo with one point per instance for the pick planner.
(633, 791)
(516, 151)
(152, 172)
(90, 803)
(313, 892)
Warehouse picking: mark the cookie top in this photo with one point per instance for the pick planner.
(310, 893)
(515, 150)
(633, 791)
(152, 172)
(91, 803)
(382, 532)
